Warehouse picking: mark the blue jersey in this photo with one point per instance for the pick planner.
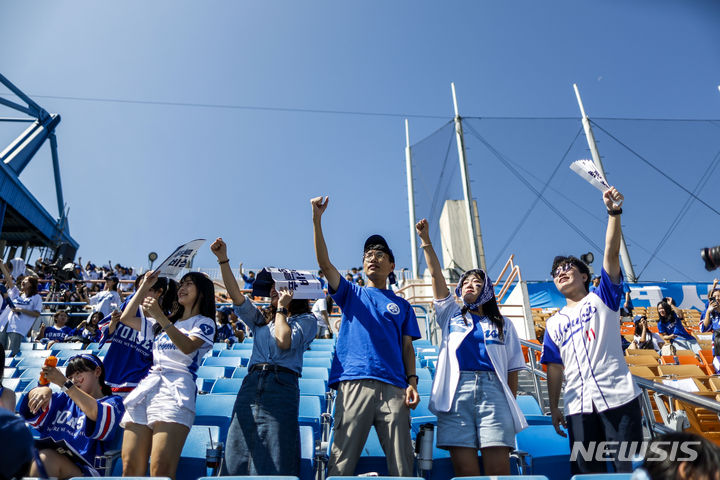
(674, 327)
(225, 332)
(65, 428)
(129, 356)
(472, 354)
(714, 322)
(370, 341)
(58, 334)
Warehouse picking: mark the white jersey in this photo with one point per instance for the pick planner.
(585, 339)
(21, 322)
(317, 309)
(167, 356)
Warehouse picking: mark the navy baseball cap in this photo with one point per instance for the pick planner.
(263, 284)
(377, 242)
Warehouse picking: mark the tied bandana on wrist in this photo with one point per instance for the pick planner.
(488, 292)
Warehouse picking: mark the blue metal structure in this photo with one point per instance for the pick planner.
(24, 222)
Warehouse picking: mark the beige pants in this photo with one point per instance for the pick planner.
(361, 404)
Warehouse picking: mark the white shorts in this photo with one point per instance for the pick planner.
(160, 400)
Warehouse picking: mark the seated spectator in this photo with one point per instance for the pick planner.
(16, 455)
(249, 279)
(680, 456)
(88, 331)
(7, 396)
(28, 306)
(644, 338)
(239, 327)
(224, 332)
(671, 328)
(321, 309)
(107, 299)
(76, 425)
(59, 332)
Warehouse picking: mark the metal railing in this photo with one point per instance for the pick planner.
(650, 391)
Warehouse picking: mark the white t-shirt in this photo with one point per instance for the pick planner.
(103, 301)
(21, 322)
(317, 309)
(656, 340)
(168, 357)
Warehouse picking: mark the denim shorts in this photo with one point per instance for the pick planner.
(479, 416)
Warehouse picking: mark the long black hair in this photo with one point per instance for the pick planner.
(167, 300)
(205, 299)
(669, 313)
(489, 308)
(88, 362)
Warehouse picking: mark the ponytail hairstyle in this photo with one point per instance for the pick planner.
(486, 299)
(88, 362)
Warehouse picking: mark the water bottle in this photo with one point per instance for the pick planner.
(425, 452)
(50, 361)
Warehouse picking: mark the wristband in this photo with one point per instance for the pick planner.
(224, 261)
(614, 213)
(425, 245)
(411, 376)
(67, 386)
(282, 310)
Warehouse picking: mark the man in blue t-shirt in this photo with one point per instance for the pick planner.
(373, 367)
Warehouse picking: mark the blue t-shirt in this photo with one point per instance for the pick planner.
(471, 354)
(64, 426)
(129, 356)
(370, 341)
(224, 332)
(58, 334)
(674, 327)
(714, 322)
(248, 282)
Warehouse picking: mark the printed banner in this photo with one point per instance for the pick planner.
(589, 171)
(179, 259)
(303, 283)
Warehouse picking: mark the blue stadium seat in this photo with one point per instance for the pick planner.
(10, 372)
(14, 384)
(34, 354)
(240, 372)
(317, 354)
(538, 419)
(316, 372)
(243, 346)
(69, 353)
(528, 405)
(67, 346)
(307, 454)
(549, 452)
(192, 458)
(424, 387)
(372, 459)
(124, 478)
(94, 346)
(226, 386)
(314, 387)
(320, 346)
(225, 362)
(25, 346)
(31, 362)
(424, 374)
(235, 353)
(504, 477)
(253, 477)
(317, 362)
(212, 372)
(309, 414)
(421, 342)
(215, 410)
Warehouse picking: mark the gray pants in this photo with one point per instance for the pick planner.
(361, 404)
(11, 341)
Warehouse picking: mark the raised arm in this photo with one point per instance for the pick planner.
(9, 281)
(331, 273)
(187, 344)
(219, 249)
(611, 260)
(439, 286)
(283, 332)
(129, 316)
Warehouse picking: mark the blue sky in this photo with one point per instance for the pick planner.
(140, 177)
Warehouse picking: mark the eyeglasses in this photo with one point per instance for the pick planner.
(562, 269)
(374, 254)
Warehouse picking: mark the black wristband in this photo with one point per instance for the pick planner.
(411, 376)
(224, 261)
(614, 213)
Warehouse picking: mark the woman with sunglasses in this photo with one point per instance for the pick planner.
(77, 425)
(161, 409)
(473, 394)
(264, 434)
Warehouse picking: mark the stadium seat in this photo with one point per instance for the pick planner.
(309, 414)
(529, 405)
(235, 353)
(225, 362)
(317, 354)
(314, 387)
(31, 362)
(192, 459)
(240, 372)
(307, 453)
(317, 362)
(212, 372)
(69, 353)
(424, 387)
(504, 477)
(67, 346)
(242, 346)
(215, 410)
(549, 452)
(25, 346)
(316, 372)
(424, 374)
(226, 386)
(14, 384)
(319, 346)
(120, 478)
(680, 370)
(11, 372)
(94, 346)
(603, 476)
(34, 354)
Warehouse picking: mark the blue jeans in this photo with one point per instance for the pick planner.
(264, 435)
